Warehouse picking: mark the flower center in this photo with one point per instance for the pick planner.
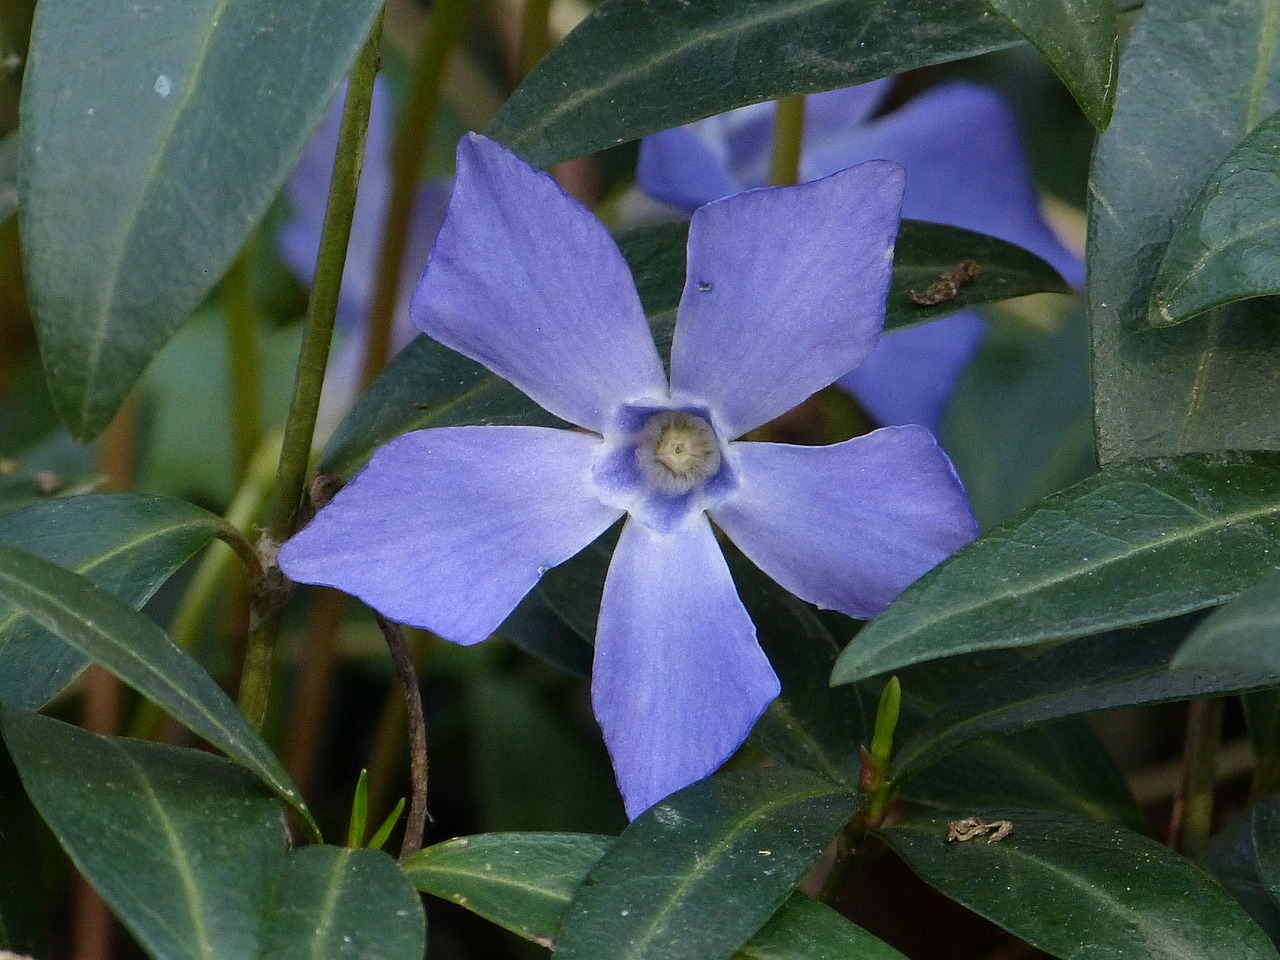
(678, 451)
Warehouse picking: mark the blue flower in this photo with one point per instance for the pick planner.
(959, 145)
(448, 529)
(299, 239)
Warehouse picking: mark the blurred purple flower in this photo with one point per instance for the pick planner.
(449, 528)
(299, 239)
(959, 145)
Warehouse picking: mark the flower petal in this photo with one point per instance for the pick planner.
(679, 679)
(785, 292)
(960, 146)
(685, 168)
(447, 529)
(909, 376)
(526, 281)
(850, 526)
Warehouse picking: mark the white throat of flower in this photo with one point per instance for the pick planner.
(677, 451)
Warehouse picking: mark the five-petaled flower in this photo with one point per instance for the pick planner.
(965, 167)
(449, 528)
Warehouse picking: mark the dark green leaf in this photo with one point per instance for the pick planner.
(144, 166)
(139, 653)
(1076, 888)
(1228, 246)
(732, 847)
(521, 881)
(1233, 859)
(337, 902)
(1078, 39)
(1018, 426)
(1243, 636)
(1209, 384)
(1262, 714)
(596, 88)
(535, 628)
(23, 916)
(1138, 542)
(25, 488)
(127, 545)
(1122, 668)
(804, 929)
(184, 846)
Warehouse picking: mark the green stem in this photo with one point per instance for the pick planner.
(535, 34)
(412, 133)
(788, 134)
(1192, 820)
(299, 430)
(242, 348)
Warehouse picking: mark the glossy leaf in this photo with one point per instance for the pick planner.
(1209, 384)
(1116, 669)
(23, 914)
(144, 167)
(1228, 246)
(805, 929)
(1076, 888)
(715, 55)
(521, 881)
(732, 847)
(338, 902)
(184, 846)
(1138, 542)
(126, 544)
(1078, 39)
(1243, 636)
(141, 654)
(428, 385)
(1233, 858)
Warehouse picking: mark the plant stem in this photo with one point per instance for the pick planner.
(300, 426)
(415, 823)
(788, 135)
(1191, 822)
(412, 134)
(242, 351)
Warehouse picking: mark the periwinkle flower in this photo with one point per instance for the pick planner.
(449, 528)
(959, 145)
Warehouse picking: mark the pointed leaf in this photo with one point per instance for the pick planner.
(142, 655)
(1209, 384)
(1080, 889)
(184, 846)
(126, 544)
(1078, 39)
(805, 929)
(732, 847)
(1228, 246)
(521, 881)
(144, 167)
(338, 902)
(1138, 542)
(1243, 636)
(1116, 669)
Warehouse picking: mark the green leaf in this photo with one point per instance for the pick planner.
(1019, 425)
(1080, 889)
(1078, 39)
(184, 846)
(1228, 246)
(139, 653)
(521, 881)
(126, 544)
(1262, 715)
(337, 902)
(1233, 857)
(1243, 636)
(805, 929)
(23, 915)
(732, 847)
(144, 166)
(596, 88)
(535, 628)
(1209, 384)
(1117, 669)
(1138, 542)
